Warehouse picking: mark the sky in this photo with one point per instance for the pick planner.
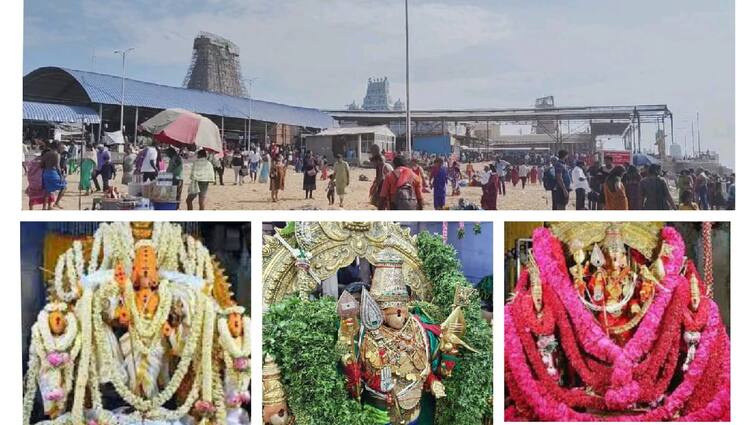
(464, 53)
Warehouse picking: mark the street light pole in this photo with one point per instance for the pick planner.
(123, 54)
(408, 109)
(250, 81)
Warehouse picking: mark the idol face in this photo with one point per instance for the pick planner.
(57, 322)
(235, 325)
(396, 317)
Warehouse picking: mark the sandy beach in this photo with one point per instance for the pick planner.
(256, 196)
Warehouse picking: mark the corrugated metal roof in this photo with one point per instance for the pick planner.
(376, 129)
(38, 111)
(106, 89)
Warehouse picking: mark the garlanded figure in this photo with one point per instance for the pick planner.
(397, 350)
(630, 333)
(152, 317)
(398, 362)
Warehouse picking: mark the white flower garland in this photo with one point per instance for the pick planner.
(30, 389)
(96, 246)
(84, 309)
(240, 378)
(207, 339)
(113, 243)
(41, 352)
(163, 414)
(139, 403)
(218, 396)
(229, 343)
(149, 327)
(57, 343)
(78, 256)
(65, 261)
(190, 263)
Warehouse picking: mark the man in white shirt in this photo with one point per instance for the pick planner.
(149, 164)
(580, 184)
(254, 162)
(524, 174)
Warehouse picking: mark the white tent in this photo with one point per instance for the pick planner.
(114, 138)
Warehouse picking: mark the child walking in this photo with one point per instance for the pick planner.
(332, 189)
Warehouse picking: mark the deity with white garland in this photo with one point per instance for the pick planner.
(55, 347)
(153, 318)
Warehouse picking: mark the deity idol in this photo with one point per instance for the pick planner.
(55, 346)
(390, 356)
(616, 283)
(154, 318)
(630, 334)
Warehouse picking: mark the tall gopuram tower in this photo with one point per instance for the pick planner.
(215, 66)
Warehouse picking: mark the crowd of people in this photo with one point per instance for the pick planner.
(48, 171)
(608, 186)
(402, 183)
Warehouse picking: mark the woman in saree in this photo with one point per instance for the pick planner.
(439, 180)
(35, 189)
(277, 177)
(264, 169)
(490, 184)
(454, 174)
(86, 173)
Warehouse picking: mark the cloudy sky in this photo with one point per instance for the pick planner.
(465, 53)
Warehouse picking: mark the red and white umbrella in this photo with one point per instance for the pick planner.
(181, 127)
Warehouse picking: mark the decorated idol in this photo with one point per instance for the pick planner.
(396, 349)
(150, 316)
(394, 352)
(623, 326)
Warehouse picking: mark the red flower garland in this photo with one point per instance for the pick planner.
(641, 371)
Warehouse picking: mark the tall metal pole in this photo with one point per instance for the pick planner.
(136, 125)
(408, 107)
(99, 126)
(699, 142)
(249, 81)
(123, 54)
(249, 139)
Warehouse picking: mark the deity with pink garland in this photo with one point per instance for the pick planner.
(631, 333)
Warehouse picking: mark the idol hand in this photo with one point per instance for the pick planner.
(438, 390)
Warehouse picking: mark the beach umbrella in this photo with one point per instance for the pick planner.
(642, 160)
(183, 128)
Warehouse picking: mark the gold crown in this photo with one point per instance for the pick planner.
(613, 240)
(388, 288)
(642, 236)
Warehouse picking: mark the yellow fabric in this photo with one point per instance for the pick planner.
(519, 230)
(56, 244)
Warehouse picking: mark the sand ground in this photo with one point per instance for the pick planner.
(256, 196)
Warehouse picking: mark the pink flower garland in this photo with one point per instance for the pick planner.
(539, 399)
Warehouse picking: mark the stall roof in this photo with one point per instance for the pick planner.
(53, 112)
(62, 85)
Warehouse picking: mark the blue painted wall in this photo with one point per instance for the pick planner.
(475, 251)
(440, 145)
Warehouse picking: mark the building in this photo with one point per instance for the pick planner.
(215, 66)
(378, 97)
(352, 142)
(61, 89)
